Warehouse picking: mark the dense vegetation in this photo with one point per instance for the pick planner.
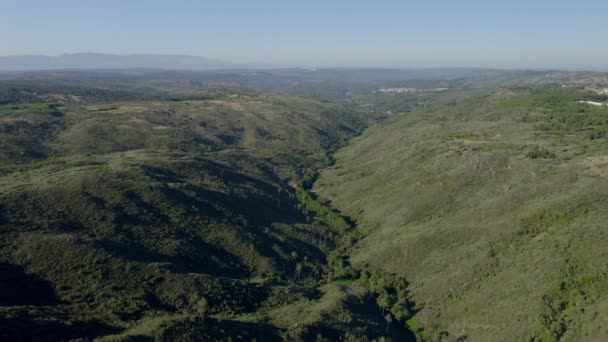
(490, 202)
(176, 206)
(139, 214)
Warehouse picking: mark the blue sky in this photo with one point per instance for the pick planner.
(432, 33)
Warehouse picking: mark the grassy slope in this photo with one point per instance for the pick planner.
(495, 244)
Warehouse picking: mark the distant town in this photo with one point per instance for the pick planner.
(408, 90)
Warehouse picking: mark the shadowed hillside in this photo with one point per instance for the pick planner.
(121, 216)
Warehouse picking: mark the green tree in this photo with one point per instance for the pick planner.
(299, 268)
(401, 310)
(201, 308)
(383, 300)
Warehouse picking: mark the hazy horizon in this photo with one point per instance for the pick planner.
(226, 64)
(386, 34)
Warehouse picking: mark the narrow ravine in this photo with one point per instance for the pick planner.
(390, 291)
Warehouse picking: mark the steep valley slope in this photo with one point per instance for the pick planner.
(492, 203)
(142, 216)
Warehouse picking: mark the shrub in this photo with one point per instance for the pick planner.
(540, 152)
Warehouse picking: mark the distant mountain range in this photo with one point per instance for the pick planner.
(109, 61)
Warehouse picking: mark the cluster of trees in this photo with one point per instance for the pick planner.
(391, 290)
(566, 115)
(308, 179)
(325, 213)
(199, 307)
(597, 133)
(340, 267)
(54, 107)
(392, 297)
(24, 92)
(13, 95)
(538, 152)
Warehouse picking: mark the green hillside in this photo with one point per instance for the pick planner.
(492, 204)
(301, 207)
(147, 217)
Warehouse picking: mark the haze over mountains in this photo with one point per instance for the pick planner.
(110, 61)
